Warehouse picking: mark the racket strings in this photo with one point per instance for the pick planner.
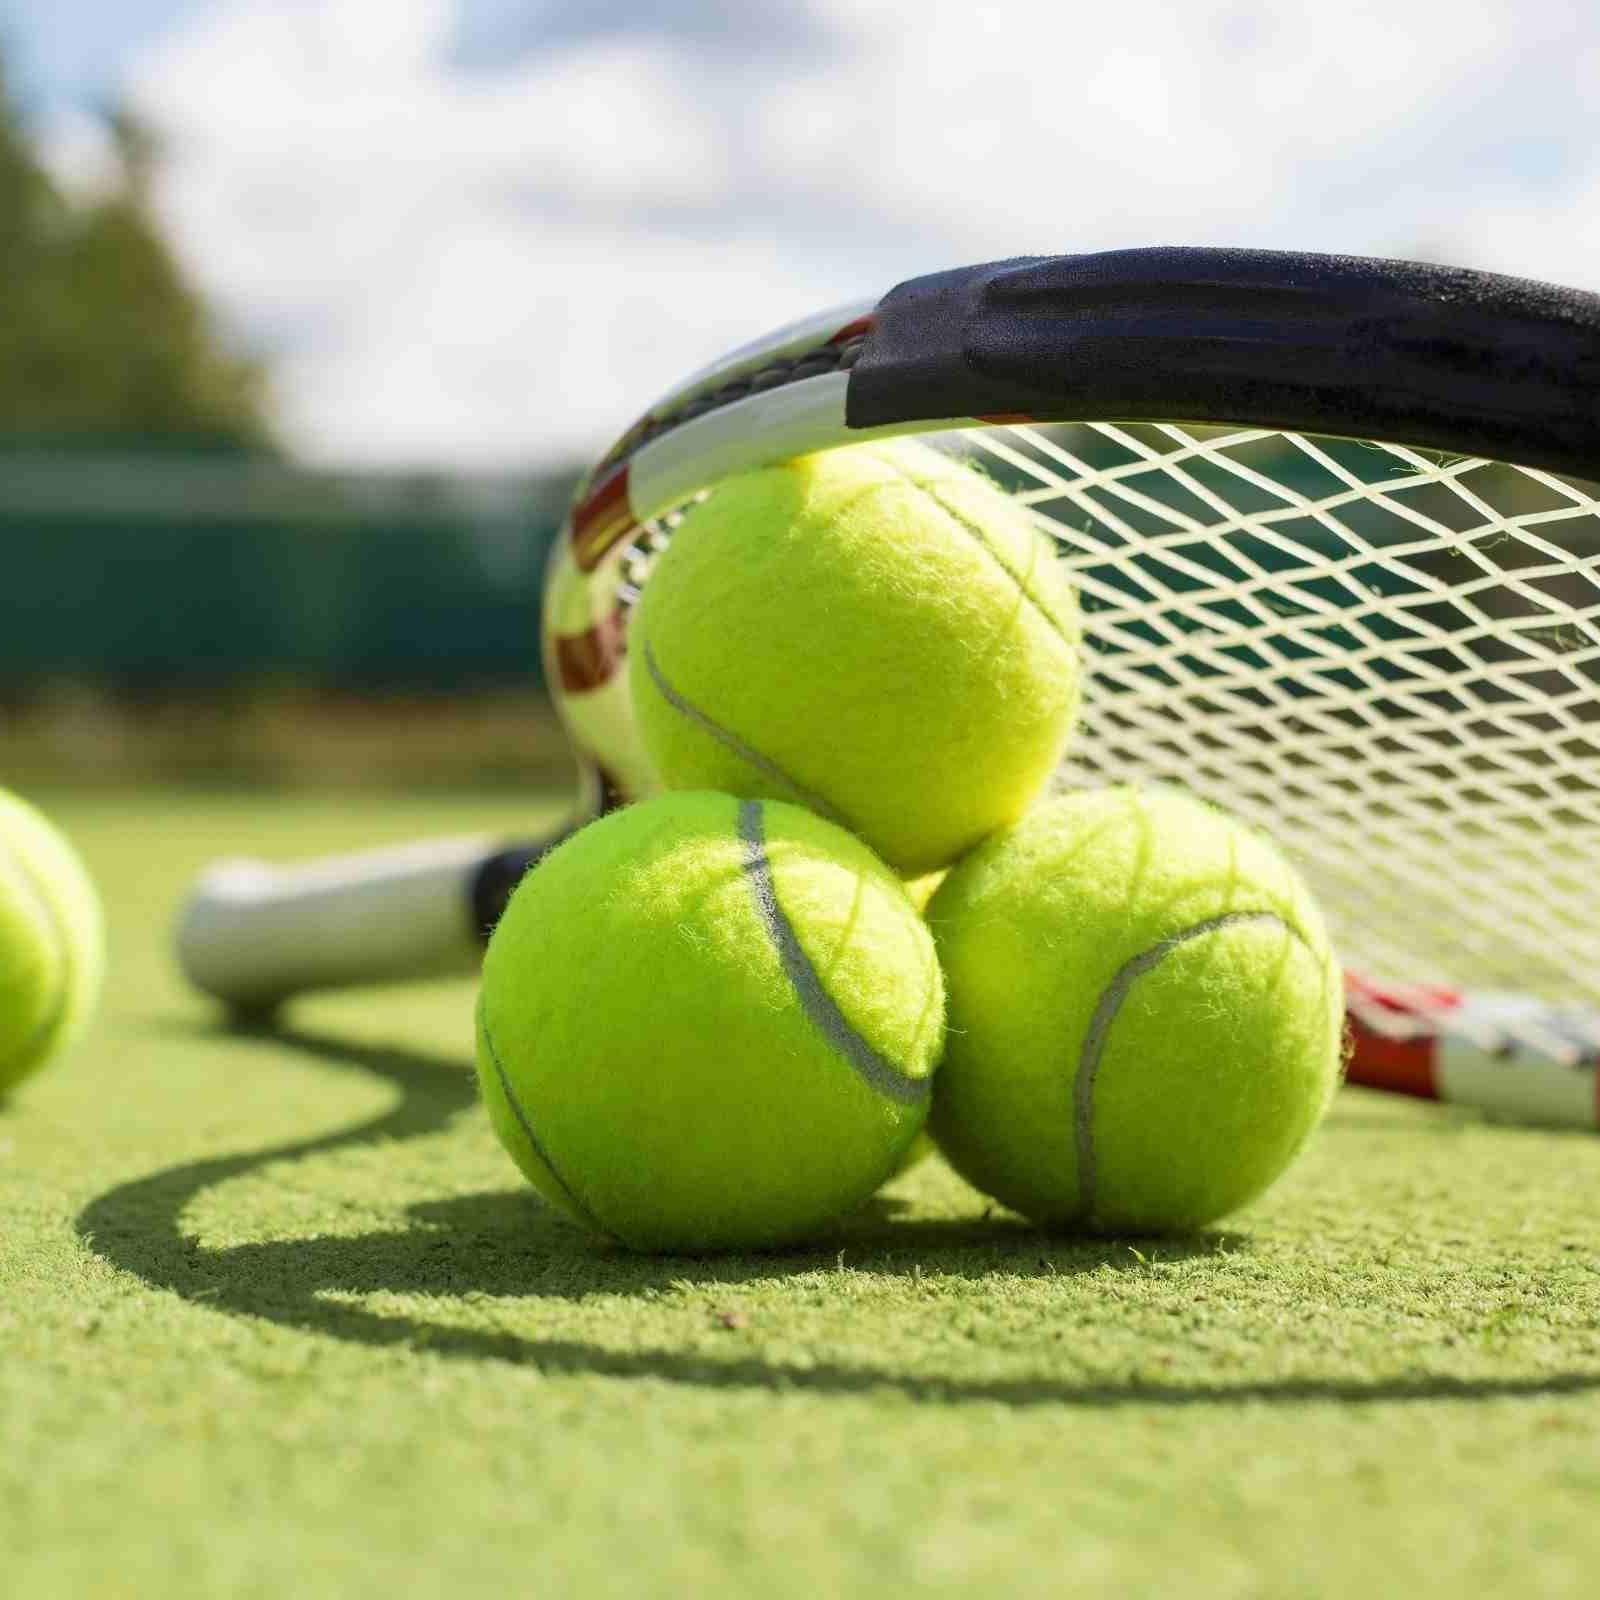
(1387, 658)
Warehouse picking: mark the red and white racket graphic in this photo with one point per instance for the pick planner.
(1510, 1055)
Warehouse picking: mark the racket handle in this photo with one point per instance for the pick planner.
(253, 934)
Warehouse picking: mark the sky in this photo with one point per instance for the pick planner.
(487, 233)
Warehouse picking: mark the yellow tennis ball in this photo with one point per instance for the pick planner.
(51, 943)
(877, 633)
(709, 1023)
(1145, 1013)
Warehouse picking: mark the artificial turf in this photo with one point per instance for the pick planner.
(279, 1318)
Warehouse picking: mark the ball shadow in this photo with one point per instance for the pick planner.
(506, 1245)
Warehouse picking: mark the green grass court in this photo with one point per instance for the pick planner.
(279, 1318)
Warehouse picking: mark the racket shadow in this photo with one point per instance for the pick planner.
(505, 1245)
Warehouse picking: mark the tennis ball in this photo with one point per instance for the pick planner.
(50, 942)
(876, 633)
(1145, 1015)
(708, 1023)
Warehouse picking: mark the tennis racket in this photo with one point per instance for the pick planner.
(1339, 558)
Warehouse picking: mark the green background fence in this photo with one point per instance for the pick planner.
(149, 573)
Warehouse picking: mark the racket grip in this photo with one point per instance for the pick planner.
(253, 934)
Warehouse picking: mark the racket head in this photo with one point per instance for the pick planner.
(1329, 522)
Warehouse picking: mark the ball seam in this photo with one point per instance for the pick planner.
(821, 1010)
(1104, 1017)
(585, 1211)
(737, 746)
(975, 532)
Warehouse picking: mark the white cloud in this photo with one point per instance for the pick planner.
(1139, 121)
(479, 267)
(497, 343)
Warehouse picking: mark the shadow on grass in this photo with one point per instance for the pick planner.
(508, 1245)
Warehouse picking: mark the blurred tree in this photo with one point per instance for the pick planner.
(30, 222)
(101, 334)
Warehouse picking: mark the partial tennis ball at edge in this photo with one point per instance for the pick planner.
(51, 942)
(877, 633)
(1145, 1013)
(709, 1023)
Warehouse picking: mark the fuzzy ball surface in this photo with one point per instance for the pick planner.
(1145, 1013)
(709, 1023)
(877, 633)
(51, 942)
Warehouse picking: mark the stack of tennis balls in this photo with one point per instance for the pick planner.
(51, 943)
(713, 1020)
